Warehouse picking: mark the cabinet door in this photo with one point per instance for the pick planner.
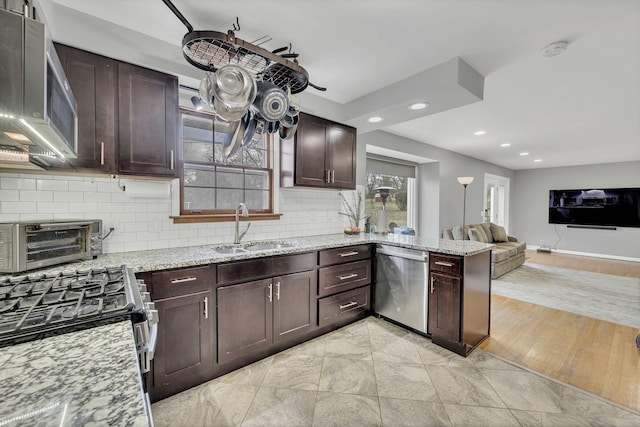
(341, 153)
(184, 352)
(92, 78)
(444, 307)
(147, 121)
(294, 304)
(311, 140)
(245, 323)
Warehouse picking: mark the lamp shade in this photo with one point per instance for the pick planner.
(465, 180)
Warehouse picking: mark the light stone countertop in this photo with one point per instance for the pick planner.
(170, 258)
(87, 377)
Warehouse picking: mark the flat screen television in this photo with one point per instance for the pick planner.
(611, 207)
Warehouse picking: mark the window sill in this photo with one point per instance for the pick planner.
(189, 219)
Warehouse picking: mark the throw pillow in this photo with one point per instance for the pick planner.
(458, 234)
(479, 233)
(487, 231)
(499, 233)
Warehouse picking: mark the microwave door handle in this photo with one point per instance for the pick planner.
(56, 226)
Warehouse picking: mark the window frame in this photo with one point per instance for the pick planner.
(222, 215)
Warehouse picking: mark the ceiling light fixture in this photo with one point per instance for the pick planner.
(374, 119)
(419, 106)
(480, 132)
(537, 160)
(524, 153)
(554, 49)
(505, 144)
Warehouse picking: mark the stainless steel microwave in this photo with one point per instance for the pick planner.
(38, 112)
(30, 245)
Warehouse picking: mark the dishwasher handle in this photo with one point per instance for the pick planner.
(417, 256)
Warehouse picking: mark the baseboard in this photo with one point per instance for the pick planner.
(607, 256)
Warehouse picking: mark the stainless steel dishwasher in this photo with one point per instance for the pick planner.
(402, 291)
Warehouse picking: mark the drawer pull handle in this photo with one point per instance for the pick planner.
(351, 253)
(348, 305)
(444, 264)
(206, 307)
(432, 279)
(348, 276)
(270, 286)
(184, 279)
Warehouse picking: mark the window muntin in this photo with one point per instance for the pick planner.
(212, 184)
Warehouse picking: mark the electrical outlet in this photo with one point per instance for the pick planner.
(541, 242)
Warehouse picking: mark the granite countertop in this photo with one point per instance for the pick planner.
(164, 259)
(88, 377)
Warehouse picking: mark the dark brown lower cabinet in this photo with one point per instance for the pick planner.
(185, 348)
(444, 307)
(253, 316)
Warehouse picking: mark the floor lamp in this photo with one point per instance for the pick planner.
(464, 180)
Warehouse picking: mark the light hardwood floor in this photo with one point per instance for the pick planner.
(591, 354)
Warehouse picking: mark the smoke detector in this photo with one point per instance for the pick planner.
(555, 48)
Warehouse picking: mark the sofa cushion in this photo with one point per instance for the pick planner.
(499, 254)
(458, 234)
(487, 230)
(518, 246)
(477, 234)
(499, 233)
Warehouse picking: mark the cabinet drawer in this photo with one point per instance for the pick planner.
(343, 277)
(346, 254)
(343, 306)
(167, 284)
(445, 264)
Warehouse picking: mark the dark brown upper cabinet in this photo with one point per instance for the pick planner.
(127, 115)
(322, 154)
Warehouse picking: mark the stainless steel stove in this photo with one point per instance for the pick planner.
(38, 306)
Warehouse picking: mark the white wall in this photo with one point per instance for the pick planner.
(530, 217)
(447, 193)
(144, 223)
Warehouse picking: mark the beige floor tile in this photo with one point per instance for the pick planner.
(294, 371)
(404, 382)
(340, 410)
(412, 413)
(477, 416)
(348, 376)
(463, 386)
(280, 407)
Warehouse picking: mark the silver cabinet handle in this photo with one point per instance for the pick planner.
(333, 176)
(351, 304)
(348, 276)
(102, 153)
(270, 286)
(172, 160)
(352, 253)
(432, 279)
(184, 279)
(328, 177)
(278, 290)
(206, 307)
(444, 264)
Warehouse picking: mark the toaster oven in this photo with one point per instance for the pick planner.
(27, 246)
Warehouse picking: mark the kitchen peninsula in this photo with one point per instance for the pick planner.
(226, 306)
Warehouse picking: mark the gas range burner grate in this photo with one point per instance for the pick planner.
(43, 303)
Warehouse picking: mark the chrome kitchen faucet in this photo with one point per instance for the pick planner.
(245, 213)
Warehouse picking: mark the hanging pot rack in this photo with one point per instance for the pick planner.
(209, 50)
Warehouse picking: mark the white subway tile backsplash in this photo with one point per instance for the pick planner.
(142, 224)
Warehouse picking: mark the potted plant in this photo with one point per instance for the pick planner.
(354, 210)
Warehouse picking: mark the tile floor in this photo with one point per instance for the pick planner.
(373, 373)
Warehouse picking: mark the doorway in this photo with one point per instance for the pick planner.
(496, 200)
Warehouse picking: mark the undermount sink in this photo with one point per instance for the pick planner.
(230, 250)
(263, 246)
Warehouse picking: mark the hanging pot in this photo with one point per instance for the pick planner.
(234, 90)
(271, 102)
(250, 127)
(233, 138)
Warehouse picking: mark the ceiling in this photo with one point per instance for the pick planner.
(580, 107)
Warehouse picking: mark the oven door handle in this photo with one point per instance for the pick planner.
(65, 225)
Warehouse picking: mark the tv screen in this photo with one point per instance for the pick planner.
(618, 207)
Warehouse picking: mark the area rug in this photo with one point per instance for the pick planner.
(601, 296)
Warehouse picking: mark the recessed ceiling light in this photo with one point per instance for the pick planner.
(418, 106)
(480, 132)
(537, 160)
(505, 144)
(524, 153)
(555, 48)
(374, 119)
